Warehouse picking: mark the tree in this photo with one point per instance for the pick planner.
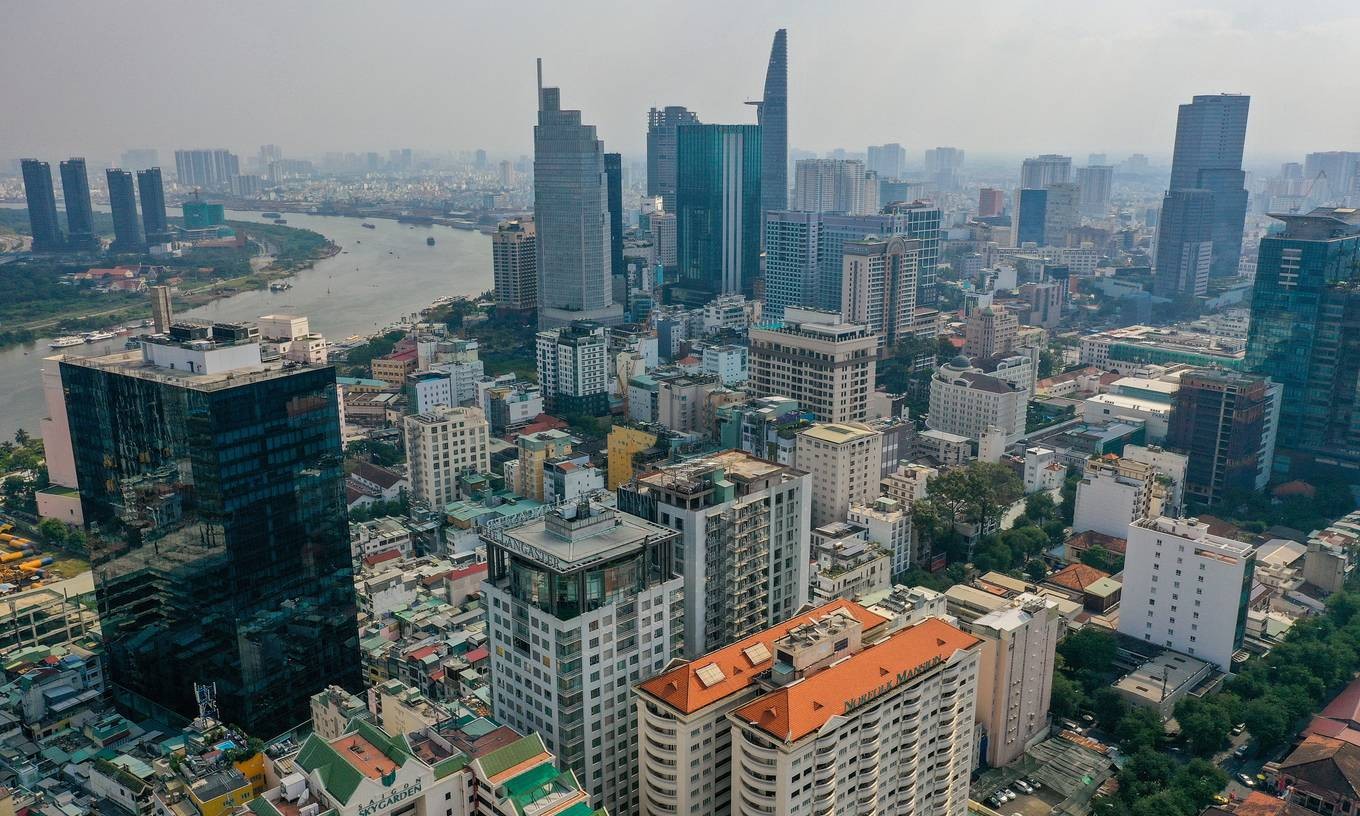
(1101, 558)
(1267, 721)
(1205, 721)
(1108, 707)
(54, 532)
(1137, 729)
(1048, 364)
(1145, 774)
(1068, 508)
(1066, 699)
(1088, 648)
(976, 493)
(1036, 569)
(1040, 508)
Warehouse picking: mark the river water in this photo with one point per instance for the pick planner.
(381, 275)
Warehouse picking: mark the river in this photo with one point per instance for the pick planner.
(381, 275)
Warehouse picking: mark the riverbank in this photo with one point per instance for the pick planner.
(270, 253)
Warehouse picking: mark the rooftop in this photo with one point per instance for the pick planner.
(133, 364)
(802, 707)
(738, 664)
(838, 432)
(597, 533)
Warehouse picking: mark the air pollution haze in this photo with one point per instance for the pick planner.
(1007, 78)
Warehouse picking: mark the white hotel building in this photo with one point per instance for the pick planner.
(1186, 589)
(828, 713)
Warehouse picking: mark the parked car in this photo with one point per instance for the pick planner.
(1246, 780)
(1023, 786)
(1238, 729)
(1240, 752)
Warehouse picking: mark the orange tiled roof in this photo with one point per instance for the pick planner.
(1077, 576)
(681, 688)
(798, 709)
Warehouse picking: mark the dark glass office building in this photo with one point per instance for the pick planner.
(1305, 335)
(75, 191)
(1210, 133)
(127, 229)
(1223, 421)
(613, 176)
(1031, 213)
(218, 536)
(1185, 242)
(152, 191)
(718, 211)
(42, 206)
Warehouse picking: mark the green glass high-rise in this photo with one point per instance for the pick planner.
(718, 211)
(213, 488)
(1305, 335)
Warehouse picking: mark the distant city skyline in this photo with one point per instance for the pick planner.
(438, 77)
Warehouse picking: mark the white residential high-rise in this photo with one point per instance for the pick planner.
(1186, 589)
(441, 444)
(1041, 171)
(744, 546)
(573, 369)
(844, 461)
(581, 606)
(846, 727)
(1016, 674)
(831, 185)
(819, 359)
(682, 714)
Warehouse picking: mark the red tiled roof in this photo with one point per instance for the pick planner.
(380, 476)
(1077, 576)
(455, 574)
(1087, 539)
(1294, 488)
(1345, 707)
(681, 688)
(385, 555)
(421, 653)
(478, 654)
(796, 710)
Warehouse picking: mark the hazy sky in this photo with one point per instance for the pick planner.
(93, 77)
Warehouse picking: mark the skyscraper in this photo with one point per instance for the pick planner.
(1210, 132)
(127, 228)
(878, 286)
(718, 200)
(1061, 212)
(152, 191)
(206, 168)
(582, 604)
(514, 265)
(661, 125)
(1031, 207)
(1185, 245)
(1041, 171)
(804, 252)
(1305, 335)
(75, 191)
(943, 165)
(220, 548)
(613, 173)
(1095, 182)
(772, 113)
(571, 217)
(831, 186)
(888, 160)
(744, 541)
(42, 206)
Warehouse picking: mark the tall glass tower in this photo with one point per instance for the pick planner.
(718, 216)
(152, 190)
(1305, 335)
(772, 112)
(213, 487)
(127, 230)
(571, 217)
(75, 191)
(42, 206)
(1210, 134)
